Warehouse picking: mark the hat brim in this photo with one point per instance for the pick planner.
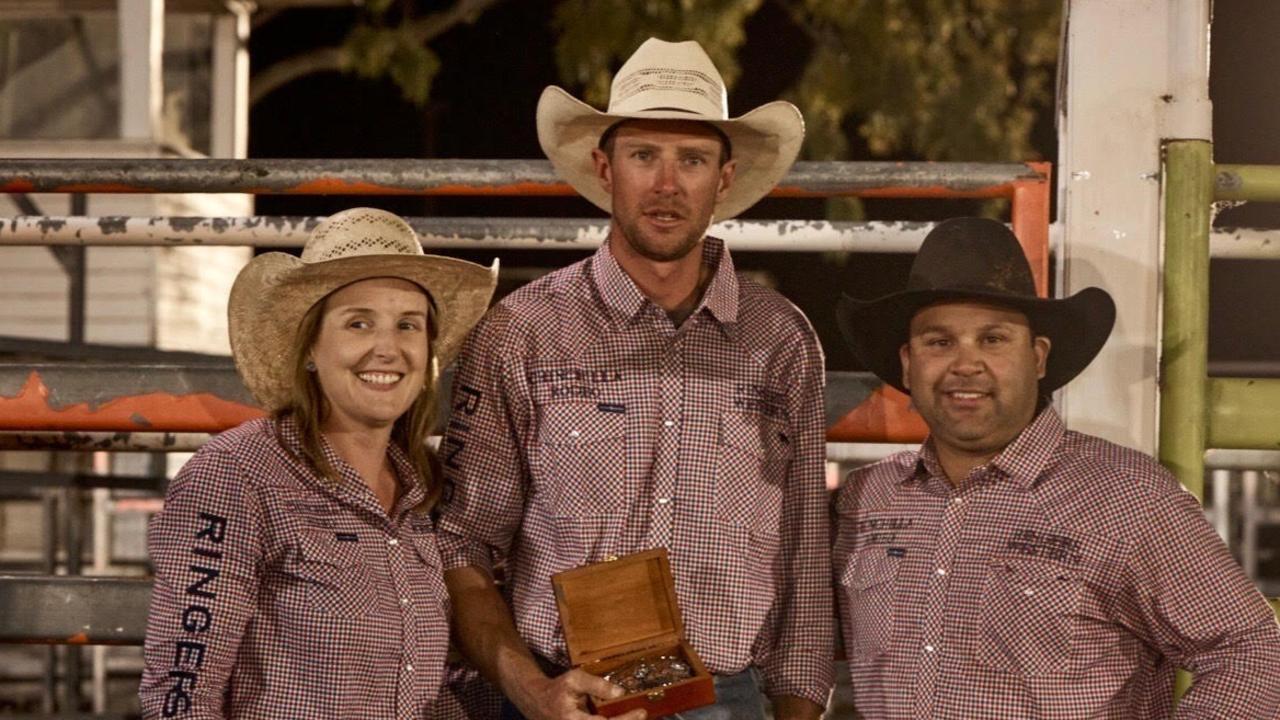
(765, 143)
(1077, 328)
(274, 291)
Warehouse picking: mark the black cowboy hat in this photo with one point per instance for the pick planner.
(977, 259)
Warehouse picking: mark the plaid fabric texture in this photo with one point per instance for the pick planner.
(1067, 578)
(281, 595)
(586, 425)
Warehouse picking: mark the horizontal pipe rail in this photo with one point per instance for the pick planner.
(1222, 459)
(151, 407)
(73, 610)
(452, 232)
(473, 177)
(1259, 183)
(1242, 413)
(266, 231)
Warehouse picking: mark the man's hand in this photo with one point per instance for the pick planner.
(789, 707)
(565, 697)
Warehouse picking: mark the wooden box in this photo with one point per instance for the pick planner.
(620, 611)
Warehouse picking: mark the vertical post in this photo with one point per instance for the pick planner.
(1030, 223)
(74, 541)
(1109, 203)
(49, 550)
(141, 25)
(1222, 483)
(76, 268)
(230, 85)
(1184, 357)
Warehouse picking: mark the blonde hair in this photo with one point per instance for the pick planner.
(309, 407)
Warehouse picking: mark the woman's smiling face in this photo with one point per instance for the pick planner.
(372, 352)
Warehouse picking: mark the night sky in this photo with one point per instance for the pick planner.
(482, 106)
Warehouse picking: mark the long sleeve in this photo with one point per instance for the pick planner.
(801, 626)
(206, 548)
(481, 452)
(1200, 609)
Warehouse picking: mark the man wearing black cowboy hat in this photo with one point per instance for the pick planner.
(1011, 568)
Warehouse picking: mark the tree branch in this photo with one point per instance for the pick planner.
(333, 59)
(325, 59)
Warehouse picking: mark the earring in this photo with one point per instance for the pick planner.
(311, 366)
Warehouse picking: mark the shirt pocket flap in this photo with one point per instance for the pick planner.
(755, 435)
(871, 568)
(1048, 584)
(323, 547)
(579, 424)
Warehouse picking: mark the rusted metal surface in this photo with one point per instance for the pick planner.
(119, 397)
(73, 611)
(103, 441)
(453, 232)
(163, 408)
(471, 177)
(1030, 211)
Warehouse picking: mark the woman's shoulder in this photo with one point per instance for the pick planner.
(235, 451)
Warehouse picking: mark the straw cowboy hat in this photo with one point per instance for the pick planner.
(273, 292)
(671, 81)
(977, 259)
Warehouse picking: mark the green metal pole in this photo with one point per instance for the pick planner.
(1184, 347)
(1260, 183)
(1243, 413)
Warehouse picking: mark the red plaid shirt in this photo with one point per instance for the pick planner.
(586, 425)
(279, 594)
(1066, 579)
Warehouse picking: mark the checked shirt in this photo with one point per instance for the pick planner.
(586, 425)
(1067, 578)
(279, 594)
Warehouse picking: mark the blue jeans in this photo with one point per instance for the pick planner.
(738, 697)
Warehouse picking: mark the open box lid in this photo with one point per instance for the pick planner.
(617, 607)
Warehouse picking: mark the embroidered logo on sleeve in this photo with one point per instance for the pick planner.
(198, 616)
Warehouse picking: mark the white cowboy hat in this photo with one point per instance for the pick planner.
(275, 290)
(671, 81)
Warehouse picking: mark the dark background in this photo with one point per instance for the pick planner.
(482, 106)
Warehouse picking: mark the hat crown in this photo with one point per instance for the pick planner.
(664, 75)
(360, 231)
(974, 254)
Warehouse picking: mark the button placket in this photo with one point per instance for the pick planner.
(952, 522)
(666, 455)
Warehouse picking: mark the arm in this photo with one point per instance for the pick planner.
(483, 509)
(487, 636)
(1202, 612)
(797, 665)
(205, 546)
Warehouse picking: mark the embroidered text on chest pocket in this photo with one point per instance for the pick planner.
(338, 581)
(754, 455)
(1029, 615)
(583, 458)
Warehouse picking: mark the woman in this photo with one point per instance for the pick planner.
(297, 574)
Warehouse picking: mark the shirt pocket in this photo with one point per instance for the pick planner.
(1029, 616)
(754, 454)
(583, 455)
(868, 585)
(337, 578)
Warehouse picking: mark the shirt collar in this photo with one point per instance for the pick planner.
(623, 299)
(350, 484)
(1023, 461)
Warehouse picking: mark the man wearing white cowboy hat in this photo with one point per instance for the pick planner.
(649, 397)
(1012, 568)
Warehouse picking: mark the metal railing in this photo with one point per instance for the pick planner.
(1198, 412)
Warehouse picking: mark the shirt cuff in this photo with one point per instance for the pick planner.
(457, 551)
(803, 676)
